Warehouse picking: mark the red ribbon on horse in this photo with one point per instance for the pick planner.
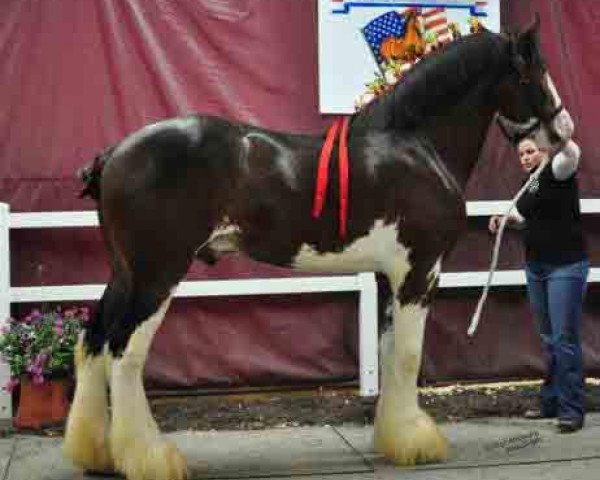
(339, 125)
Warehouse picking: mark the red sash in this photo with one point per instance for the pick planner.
(344, 169)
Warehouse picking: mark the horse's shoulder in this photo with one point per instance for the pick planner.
(404, 159)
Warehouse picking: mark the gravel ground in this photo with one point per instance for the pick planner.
(339, 406)
(332, 406)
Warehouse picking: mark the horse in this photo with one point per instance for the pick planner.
(199, 187)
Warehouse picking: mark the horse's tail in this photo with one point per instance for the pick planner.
(90, 175)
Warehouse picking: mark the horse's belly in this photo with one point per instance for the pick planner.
(378, 251)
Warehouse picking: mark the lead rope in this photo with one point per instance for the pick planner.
(486, 288)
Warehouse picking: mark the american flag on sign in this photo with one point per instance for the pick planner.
(436, 21)
(390, 24)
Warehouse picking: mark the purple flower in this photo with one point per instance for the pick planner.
(34, 316)
(33, 338)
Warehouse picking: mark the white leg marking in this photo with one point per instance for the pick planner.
(86, 437)
(138, 450)
(403, 432)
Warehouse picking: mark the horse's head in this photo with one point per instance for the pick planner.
(529, 102)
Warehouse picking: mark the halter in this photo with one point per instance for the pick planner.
(524, 131)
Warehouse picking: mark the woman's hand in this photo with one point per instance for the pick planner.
(494, 223)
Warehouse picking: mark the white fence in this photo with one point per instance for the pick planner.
(364, 283)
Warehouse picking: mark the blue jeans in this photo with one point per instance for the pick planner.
(556, 296)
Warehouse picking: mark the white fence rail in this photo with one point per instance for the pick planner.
(364, 283)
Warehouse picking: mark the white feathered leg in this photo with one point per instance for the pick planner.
(86, 441)
(138, 449)
(403, 432)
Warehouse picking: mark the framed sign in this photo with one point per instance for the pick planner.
(364, 46)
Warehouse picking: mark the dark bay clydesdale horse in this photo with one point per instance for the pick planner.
(199, 187)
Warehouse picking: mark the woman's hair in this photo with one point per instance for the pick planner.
(532, 139)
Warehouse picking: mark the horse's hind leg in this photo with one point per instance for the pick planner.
(87, 431)
(113, 352)
(138, 450)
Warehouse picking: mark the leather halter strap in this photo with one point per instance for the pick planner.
(526, 130)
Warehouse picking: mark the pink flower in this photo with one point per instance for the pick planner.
(59, 326)
(41, 358)
(38, 379)
(12, 383)
(85, 314)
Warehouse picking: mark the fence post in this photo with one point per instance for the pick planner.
(368, 336)
(5, 397)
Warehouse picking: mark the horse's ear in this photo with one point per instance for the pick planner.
(534, 25)
(527, 43)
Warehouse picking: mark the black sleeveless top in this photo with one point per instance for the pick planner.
(553, 231)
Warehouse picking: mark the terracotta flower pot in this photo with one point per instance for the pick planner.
(42, 405)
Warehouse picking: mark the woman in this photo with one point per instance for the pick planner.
(556, 269)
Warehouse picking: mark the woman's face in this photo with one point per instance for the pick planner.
(530, 155)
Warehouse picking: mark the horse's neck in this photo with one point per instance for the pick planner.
(459, 135)
(455, 114)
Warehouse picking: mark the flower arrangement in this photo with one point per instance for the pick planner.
(394, 67)
(41, 344)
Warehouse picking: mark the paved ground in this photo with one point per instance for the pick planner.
(492, 448)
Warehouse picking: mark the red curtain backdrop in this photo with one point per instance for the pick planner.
(78, 76)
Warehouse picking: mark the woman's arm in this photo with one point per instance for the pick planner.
(565, 162)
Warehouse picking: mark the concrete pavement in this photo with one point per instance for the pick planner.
(491, 448)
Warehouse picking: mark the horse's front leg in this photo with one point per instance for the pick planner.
(138, 449)
(404, 433)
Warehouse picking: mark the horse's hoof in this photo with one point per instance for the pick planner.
(86, 446)
(409, 440)
(156, 461)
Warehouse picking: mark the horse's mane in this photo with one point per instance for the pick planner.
(436, 82)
